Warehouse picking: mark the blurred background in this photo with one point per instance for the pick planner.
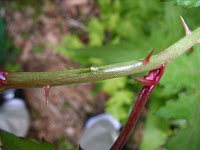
(50, 35)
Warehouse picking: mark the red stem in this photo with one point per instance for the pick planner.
(139, 105)
(3, 77)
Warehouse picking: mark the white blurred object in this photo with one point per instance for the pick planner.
(14, 116)
(100, 132)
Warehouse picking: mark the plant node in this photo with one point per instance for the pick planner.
(3, 77)
(149, 83)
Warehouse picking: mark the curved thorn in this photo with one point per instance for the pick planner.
(147, 59)
(143, 81)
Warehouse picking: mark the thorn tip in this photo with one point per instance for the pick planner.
(187, 30)
(67, 68)
(147, 59)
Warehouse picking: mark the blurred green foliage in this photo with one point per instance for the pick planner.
(22, 4)
(184, 3)
(38, 48)
(96, 32)
(186, 108)
(64, 144)
(119, 105)
(120, 84)
(128, 30)
(2, 34)
(7, 49)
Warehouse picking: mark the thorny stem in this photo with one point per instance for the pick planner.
(58, 78)
(154, 75)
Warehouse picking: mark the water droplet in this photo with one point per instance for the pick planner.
(94, 68)
(47, 89)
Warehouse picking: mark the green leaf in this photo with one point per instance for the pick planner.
(13, 67)
(11, 142)
(38, 48)
(186, 108)
(96, 32)
(173, 109)
(104, 4)
(71, 41)
(112, 86)
(184, 3)
(184, 71)
(106, 54)
(186, 139)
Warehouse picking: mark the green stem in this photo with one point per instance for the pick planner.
(58, 78)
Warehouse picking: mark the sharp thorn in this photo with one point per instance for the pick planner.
(187, 30)
(147, 59)
(47, 89)
(67, 68)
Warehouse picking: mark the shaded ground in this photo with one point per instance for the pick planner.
(32, 30)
